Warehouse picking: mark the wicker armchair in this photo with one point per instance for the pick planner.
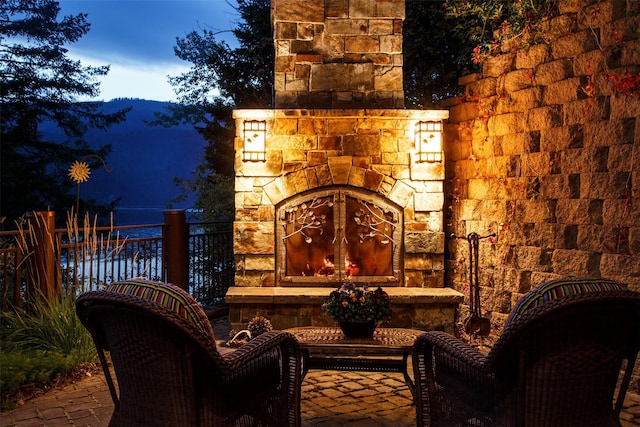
(169, 371)
(558, 362)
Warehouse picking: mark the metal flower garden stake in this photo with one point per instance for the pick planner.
(79, 172)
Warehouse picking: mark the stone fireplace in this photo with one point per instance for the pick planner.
(337, 191)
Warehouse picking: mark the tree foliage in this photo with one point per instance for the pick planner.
(39, 83)
(445, 40)
(221, 79)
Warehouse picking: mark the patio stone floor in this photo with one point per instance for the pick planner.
(329, 398)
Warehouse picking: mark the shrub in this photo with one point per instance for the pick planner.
(37, 348)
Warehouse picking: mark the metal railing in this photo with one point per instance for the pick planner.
(82, 260)
(211, 261)
(110, 254)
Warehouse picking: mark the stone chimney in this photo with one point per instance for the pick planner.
(338, 54)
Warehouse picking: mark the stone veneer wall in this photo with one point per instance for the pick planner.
(542, 151)
(338, 53)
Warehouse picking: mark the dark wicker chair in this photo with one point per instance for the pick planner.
(169, 371)
(558, 362)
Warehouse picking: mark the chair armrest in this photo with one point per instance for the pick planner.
(268, 359)
(452, 382)
(453, 347)
(261, 345)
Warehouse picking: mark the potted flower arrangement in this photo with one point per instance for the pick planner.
(357, 310)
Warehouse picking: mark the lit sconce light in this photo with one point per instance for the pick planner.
(255, 135)
(428, 140)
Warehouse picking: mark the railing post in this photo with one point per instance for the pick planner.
(41, 248)
(176, 248)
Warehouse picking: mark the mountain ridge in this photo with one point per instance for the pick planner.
(144, 159)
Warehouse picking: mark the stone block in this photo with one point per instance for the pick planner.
(342, 27)
(569, 262)
(285, 64)
(323, 173)
(554, 186)
(544, 117)
(340, 127)
(413, 279)
(429, 202)
(518, 80)
(427, 171)
(356, 177)
(372, 180)
(532, 56)
(285, 31)
(619, 213)
(495, 66)
(340, 168)
(259, 262)
(387, 78)
(532, 211)
(600, 14)
(619, 266)
(591, 237)
(620, 158)
(303, 71)
(361, 145)
(391, 44)
(553, 71)
(481, 88)
(391, 8)
(462, 112)
(504, 124)
(251, 199)
(399, 192)
(337, 77)
(562, 25)
(362, 44)
(303, 49)
(380, 27)
(630, 54)
(336, 8)
(524, 100)
(554, 139)
(589, 63)
(305, 11)
(563, 91)
(573, 44)
(293, 84)
(470, 210)
(624, 106)
(572, 211)
(390, 158)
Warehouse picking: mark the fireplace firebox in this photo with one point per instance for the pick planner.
(327, 236)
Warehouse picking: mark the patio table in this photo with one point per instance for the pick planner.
(327, 348)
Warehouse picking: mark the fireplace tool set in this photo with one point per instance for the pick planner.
(475, 325)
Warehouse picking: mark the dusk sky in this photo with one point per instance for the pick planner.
(136, 38)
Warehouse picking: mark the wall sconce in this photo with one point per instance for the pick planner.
(428, 140)
(255, 135)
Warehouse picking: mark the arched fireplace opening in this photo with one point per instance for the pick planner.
(329, 235)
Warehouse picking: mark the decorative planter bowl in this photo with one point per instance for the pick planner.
(358, 329)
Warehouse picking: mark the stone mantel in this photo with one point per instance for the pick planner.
(266, 114)
(296, 295)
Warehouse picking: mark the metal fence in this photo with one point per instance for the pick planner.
(211, 261)
(87, 259)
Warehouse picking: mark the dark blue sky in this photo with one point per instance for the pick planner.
(136, 37)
